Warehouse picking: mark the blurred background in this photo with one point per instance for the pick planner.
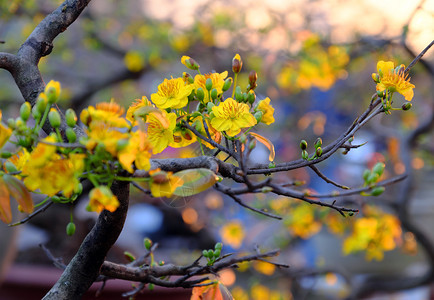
(314, 59)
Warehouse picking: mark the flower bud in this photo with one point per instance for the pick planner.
(11, 123)
(379, 168)
(237, 64)
(372, 178)
(238, 94)
(205, 253)
(251, 97)
(70, 135)
(52, 90)
(258, 115)
(377, 191)
(189, 63)
(217, 253)
(187, 77)
(208, 84)
(214, 94)
(376, 77)
(5, 154)
(253, 76)
(252, 144)
(210, 253)
(200, 94)
(25, 111)
(366, 174)
(54, 118)
(71, 117)
(218, 246)
(304, 154)
(148, 243)
(41, 103)
(318, 142)
(10, 167)
(318, 152)
(209, 106)
(272, 165)
(70, 228)
(406, 106)
(227, 84)
(78, 189)
(243, 138)
(303, 145)
(380, 94)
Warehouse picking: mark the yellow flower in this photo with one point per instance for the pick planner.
(232, 233)
(107, 112)
(43, 152)
(160, 130)
(57, 174)
(172, 93)
(101, 198)
(137, 151)
(20, 159)
(135, 106)
(134, 61)
(5, 133)
(52, 91)
(231, 116)
(163, 184)
(218, 80)
(100, 133)
(394, 79)
(268, 111)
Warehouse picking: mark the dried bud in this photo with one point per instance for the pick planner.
(253, 76)
(318, 142)
(406, 106)
(303, 145)
(318, 152)
(237, 64)
(189, 63)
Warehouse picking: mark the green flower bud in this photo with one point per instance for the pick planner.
(71, 117)
(11, 123)
(78, 189)
(318, 142)
(217, 253)
(380, 94)
(218, 246)
(303, 145)
(243, 138)
(227, 84)
(377, 191)
(52, 90)
(372, 178)
(304, 155)
(252, 144)
(406, 106)
(209, 106)
(148, 243)
(258, 115)
(214, 94)
(210, 253)
(251, 97)
(366, 174)
(238, 94)
(5, 154)
(10, 167)
(272, 165)
(70, 228)
(208, 84)
(318, 152)
(70, 135)
(129, 256)
(25, 111)
(205, 253)
(55, 199)
(200, 94)
(54, 118)
(35, 113)
(41, 103)
(378, 168)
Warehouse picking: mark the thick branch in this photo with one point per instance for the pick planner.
(84, 268)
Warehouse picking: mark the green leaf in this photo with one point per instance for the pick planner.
(195, 181)
(18, 190)
(5, 204)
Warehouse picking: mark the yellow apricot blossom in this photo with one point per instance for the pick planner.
(20, 159)
(160, 130)
(135, 106)
(107, 112)
(163, 184)
(43, 152)
(52, 91)
(233, 234)
(267, 110)
(56, 175)
(101, 198)
(394, 79)
(218, 80)
(100, 133)
(172, 93)
(137, 150)
(231, 116)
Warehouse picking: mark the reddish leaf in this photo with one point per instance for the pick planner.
(5, 203)
(18, 190)
(266, 143)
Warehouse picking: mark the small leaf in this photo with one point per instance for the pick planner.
(5, 204)
(195, 181)
(18, 190)
(266, 143)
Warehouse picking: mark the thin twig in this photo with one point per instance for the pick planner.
(326, 179)
(36, 212)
